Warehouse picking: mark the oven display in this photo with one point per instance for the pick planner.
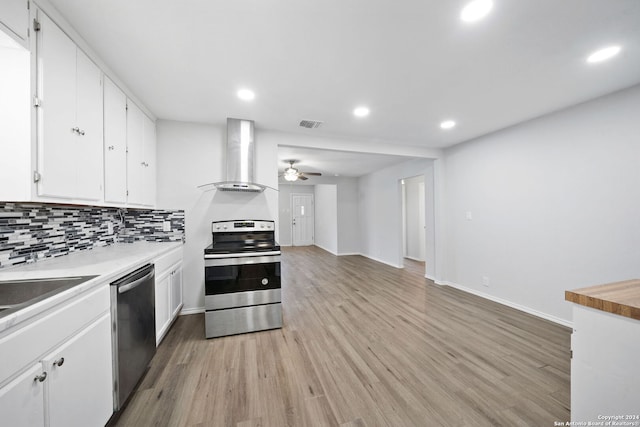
(245, 224)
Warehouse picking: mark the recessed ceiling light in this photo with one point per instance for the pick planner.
(447, 124)
(246, 94)
(476, 10)
(361, 112)
(603, 54)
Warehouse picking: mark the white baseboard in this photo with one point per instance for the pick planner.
(382, 261)
(349, 253)
(414, 259)
(325, 249)
(195, 310)
(508, 303)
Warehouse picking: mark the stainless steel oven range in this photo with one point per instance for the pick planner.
(242, 278)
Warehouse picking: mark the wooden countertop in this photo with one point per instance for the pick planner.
(622, 298)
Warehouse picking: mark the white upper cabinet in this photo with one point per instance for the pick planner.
(141, 157)
(70, 118)
(149, 144)
(65, 128)
(89, 118)
(115, 144)
(14, 19)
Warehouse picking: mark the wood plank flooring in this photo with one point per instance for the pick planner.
(363, 344)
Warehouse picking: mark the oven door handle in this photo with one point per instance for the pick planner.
(222, 262)
(241, 255)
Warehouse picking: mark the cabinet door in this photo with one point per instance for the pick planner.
(22, 401)
(14, 16)
(135, 154)
(176, 291)
(115, 143)
(56, 71)
(80, 378)
(162, 305)
(149, 137)
(87, 154)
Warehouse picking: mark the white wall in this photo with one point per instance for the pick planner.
(348, 229)
(326, 217)
(414, 217)
(555, 205)
(380, 212)
(284, 206)
(193, 154)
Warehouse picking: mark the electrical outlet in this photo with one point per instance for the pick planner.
(485, 281)
(166, 225)
(109, 228)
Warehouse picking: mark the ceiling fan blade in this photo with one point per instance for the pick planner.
(302, 177)
(312, 173)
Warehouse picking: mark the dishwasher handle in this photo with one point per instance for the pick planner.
(128, 286)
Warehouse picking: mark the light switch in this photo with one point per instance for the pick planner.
(469, 216)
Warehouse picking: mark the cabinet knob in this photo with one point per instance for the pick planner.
(75, 129)
(81, 132)
(59, 362)
(111, 148)
(41, 377)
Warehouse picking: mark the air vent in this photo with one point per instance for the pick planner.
(310, 124)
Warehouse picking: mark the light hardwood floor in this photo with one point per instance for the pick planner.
(363, 344)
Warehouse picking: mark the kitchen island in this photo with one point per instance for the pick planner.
(605, 346)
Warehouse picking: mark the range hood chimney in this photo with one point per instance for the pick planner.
(240, 159)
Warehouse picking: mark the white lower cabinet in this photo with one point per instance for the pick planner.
(162, 305)
(604, 366)
(57, 370)
(79, 379)
(175, 300)
(168, 291)
(21, 401)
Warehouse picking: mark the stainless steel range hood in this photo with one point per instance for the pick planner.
(240, 159)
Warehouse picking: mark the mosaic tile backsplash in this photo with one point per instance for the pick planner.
(33, 231)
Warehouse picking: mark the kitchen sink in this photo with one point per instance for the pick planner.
(17, 294)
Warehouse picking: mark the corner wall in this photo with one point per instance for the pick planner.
(190, 154)
(554, 205)
(326, 217)
(380, 212)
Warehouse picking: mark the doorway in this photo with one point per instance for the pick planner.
(302, 219)
(413, 223)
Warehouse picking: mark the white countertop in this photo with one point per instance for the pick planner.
(107, 262)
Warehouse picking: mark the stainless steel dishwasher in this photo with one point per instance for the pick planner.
(134, 330)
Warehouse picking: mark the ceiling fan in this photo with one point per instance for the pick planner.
(293, 174)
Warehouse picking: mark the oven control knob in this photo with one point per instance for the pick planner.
(225, 227)
(265, 281)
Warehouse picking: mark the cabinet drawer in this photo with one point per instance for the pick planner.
(166, 261)
(30, 343)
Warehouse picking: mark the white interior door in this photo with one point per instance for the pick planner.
(302, 219)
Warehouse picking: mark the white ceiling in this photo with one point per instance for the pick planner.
(414, 63)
